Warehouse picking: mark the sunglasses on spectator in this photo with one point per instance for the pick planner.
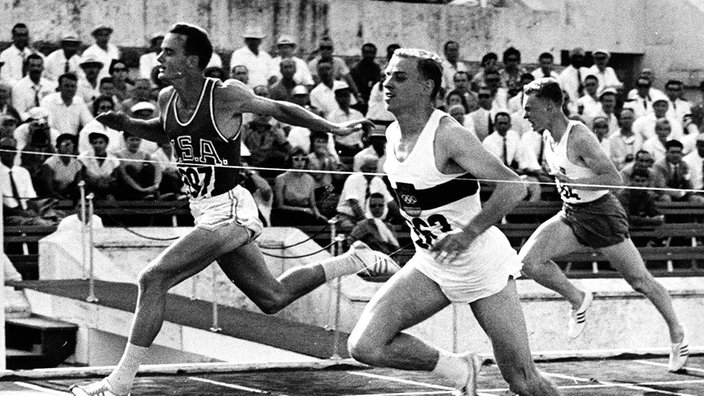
(376, 205)
(326, 47)
(120, 69)
(299, 158)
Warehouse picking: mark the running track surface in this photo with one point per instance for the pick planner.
(640, 376)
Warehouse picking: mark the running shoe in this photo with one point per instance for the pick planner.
(100, 388)
(375, 263)
(578, 317)
(474, 363)
(678, 354)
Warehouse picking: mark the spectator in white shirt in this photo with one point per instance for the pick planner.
(348, 145)
(656, 145)
(68, 113)
(355, 194)
(624, 144)
(14, 57)
(340, 71)
(607, 105)
(695, 162)
(37, 118)
(572, 77)
(258, 62)
(29, 91)
(640, 99)
(492, 79)
(88, 83)
(99, 167)
(589, 102)
(322, 96)
(547, 63)
(64, 60)
(678, 107)
(102, 104)
(605, 74)
(102, 50)
(286, 46)
(645, 125)
(451, 64)
(148, 62)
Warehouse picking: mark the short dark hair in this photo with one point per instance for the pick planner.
(545, 88)
(31, 56)
(503, 114)
(377, 195)
(19, 26)
(197, 42)
(369, 45)
(113, 63)
(105, 80)
(546, 55)
(673, 82)
(100, 99)
(317, 135)
(449, 43)
(511, 51)
(489, 56)
(463, 99)
(673, 143)
(68, 76)
(591, 77)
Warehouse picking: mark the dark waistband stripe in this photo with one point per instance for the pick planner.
(430, 198)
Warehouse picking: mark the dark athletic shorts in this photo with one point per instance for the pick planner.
(599, 223)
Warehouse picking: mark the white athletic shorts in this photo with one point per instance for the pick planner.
(481, 271)
(233, 207)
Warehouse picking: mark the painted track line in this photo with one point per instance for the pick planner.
(41, 389)
(403, 381)
(231, 386)
(617, 384)
(665, 365)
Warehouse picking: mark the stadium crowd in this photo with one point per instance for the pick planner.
(50, 140)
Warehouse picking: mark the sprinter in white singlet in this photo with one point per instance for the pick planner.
(433, 164)
(591, 217)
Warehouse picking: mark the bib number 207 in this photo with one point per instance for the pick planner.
(197, 180)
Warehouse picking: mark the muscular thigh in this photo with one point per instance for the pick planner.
(406, 299)
(501, 317)
(194, 251)
(247, 269)
(552, 239)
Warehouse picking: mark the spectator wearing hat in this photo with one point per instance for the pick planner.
(258, 62)
(142, 92)
(102, 50)
(283, 88)
(14, 56)
(645, 125)
(145, 110)
(375, 149)
(366, 73)
(102, 104)
(61, 173)
(137, 177)
(29, 91)
(99, 167)
(571, 78)
(285, 47)
(148, 61)
(604, 74)
(88, 82)
(678, 108)
(606, 108)
(695, 162)
(17, 189)
(64, 60)
(348, 145)
(5, 107)
(68, 113)
(340, 71)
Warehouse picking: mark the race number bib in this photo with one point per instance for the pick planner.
(198, 180)
(429, 232)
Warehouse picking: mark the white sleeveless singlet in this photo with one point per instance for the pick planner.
(556, 157)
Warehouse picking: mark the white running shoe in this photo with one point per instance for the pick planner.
(375, 263)
(578, 317)
(678, 355)
(474, 363)
(100, 388)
